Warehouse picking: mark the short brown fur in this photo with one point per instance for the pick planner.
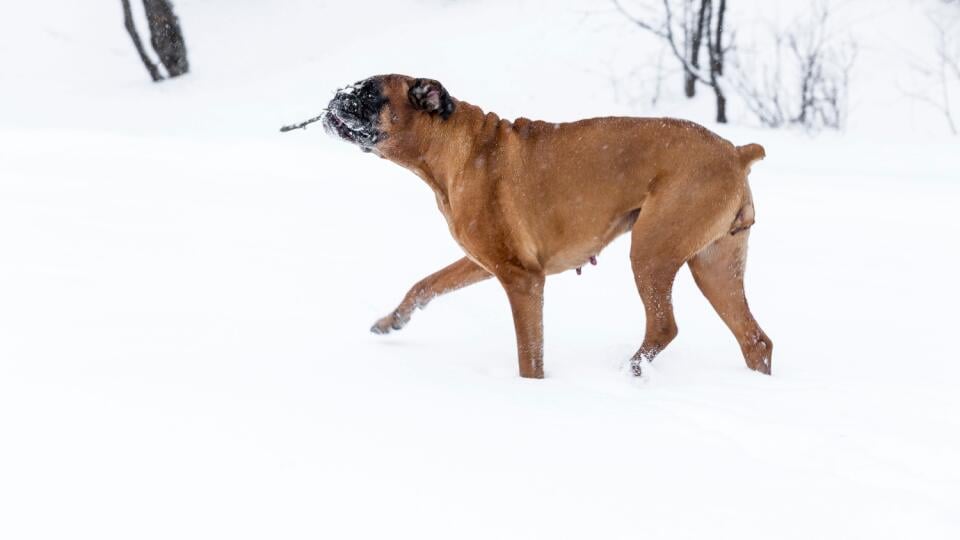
(526, 199)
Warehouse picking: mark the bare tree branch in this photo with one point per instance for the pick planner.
(716, 47)
(813, 91)
(942, 77)
(132, 30)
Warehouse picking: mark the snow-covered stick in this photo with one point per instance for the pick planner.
(303, 125)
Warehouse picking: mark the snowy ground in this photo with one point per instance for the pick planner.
(185, 296)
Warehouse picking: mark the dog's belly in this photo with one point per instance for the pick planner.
(574, 257)
(577, 249)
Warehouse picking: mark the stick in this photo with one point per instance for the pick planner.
(303, 125)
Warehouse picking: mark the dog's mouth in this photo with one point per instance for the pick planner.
(353, 114)
(364, 136)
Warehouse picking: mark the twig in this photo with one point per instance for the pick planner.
(303, 125)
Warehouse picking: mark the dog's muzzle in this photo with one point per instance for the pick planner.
(354, 112)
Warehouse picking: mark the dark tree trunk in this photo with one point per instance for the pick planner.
(715, 51)
(166, 37)
(690, 85)
(696, 41)
(132, 30)
(721, 105)
(718, 57)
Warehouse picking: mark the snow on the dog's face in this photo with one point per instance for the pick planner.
(354, 113)
(383, 108)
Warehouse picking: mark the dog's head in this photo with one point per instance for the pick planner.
(387, 113)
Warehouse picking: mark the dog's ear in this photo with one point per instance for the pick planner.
(430, 96)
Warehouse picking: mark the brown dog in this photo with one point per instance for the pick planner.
(526, 199)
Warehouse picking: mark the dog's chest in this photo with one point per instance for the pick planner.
(472, 225)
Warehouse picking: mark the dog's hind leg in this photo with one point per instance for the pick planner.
(718, 270)
(674, 224)
(456, 276)
(655, 265)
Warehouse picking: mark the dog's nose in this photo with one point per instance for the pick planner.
(343, 105)
(351, 105)
(349, 110)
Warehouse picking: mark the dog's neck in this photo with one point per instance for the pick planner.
(444, 154)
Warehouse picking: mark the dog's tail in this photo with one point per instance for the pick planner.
(750, 153)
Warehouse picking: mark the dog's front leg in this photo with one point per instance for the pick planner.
(456, 276)
(525, 292)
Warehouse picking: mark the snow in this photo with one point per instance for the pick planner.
(185, 298)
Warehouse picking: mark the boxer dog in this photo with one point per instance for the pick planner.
(526, 199)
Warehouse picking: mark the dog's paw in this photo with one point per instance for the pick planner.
(380, 328)
(762, 365)
(758, 353)
(388, 324)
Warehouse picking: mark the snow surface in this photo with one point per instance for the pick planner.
(185, 297)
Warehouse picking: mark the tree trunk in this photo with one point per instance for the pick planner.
(696, 41)
(715, 51)
(721, 105)
(132, 30)
(166, 37)
(718, 57)
(689, 85)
